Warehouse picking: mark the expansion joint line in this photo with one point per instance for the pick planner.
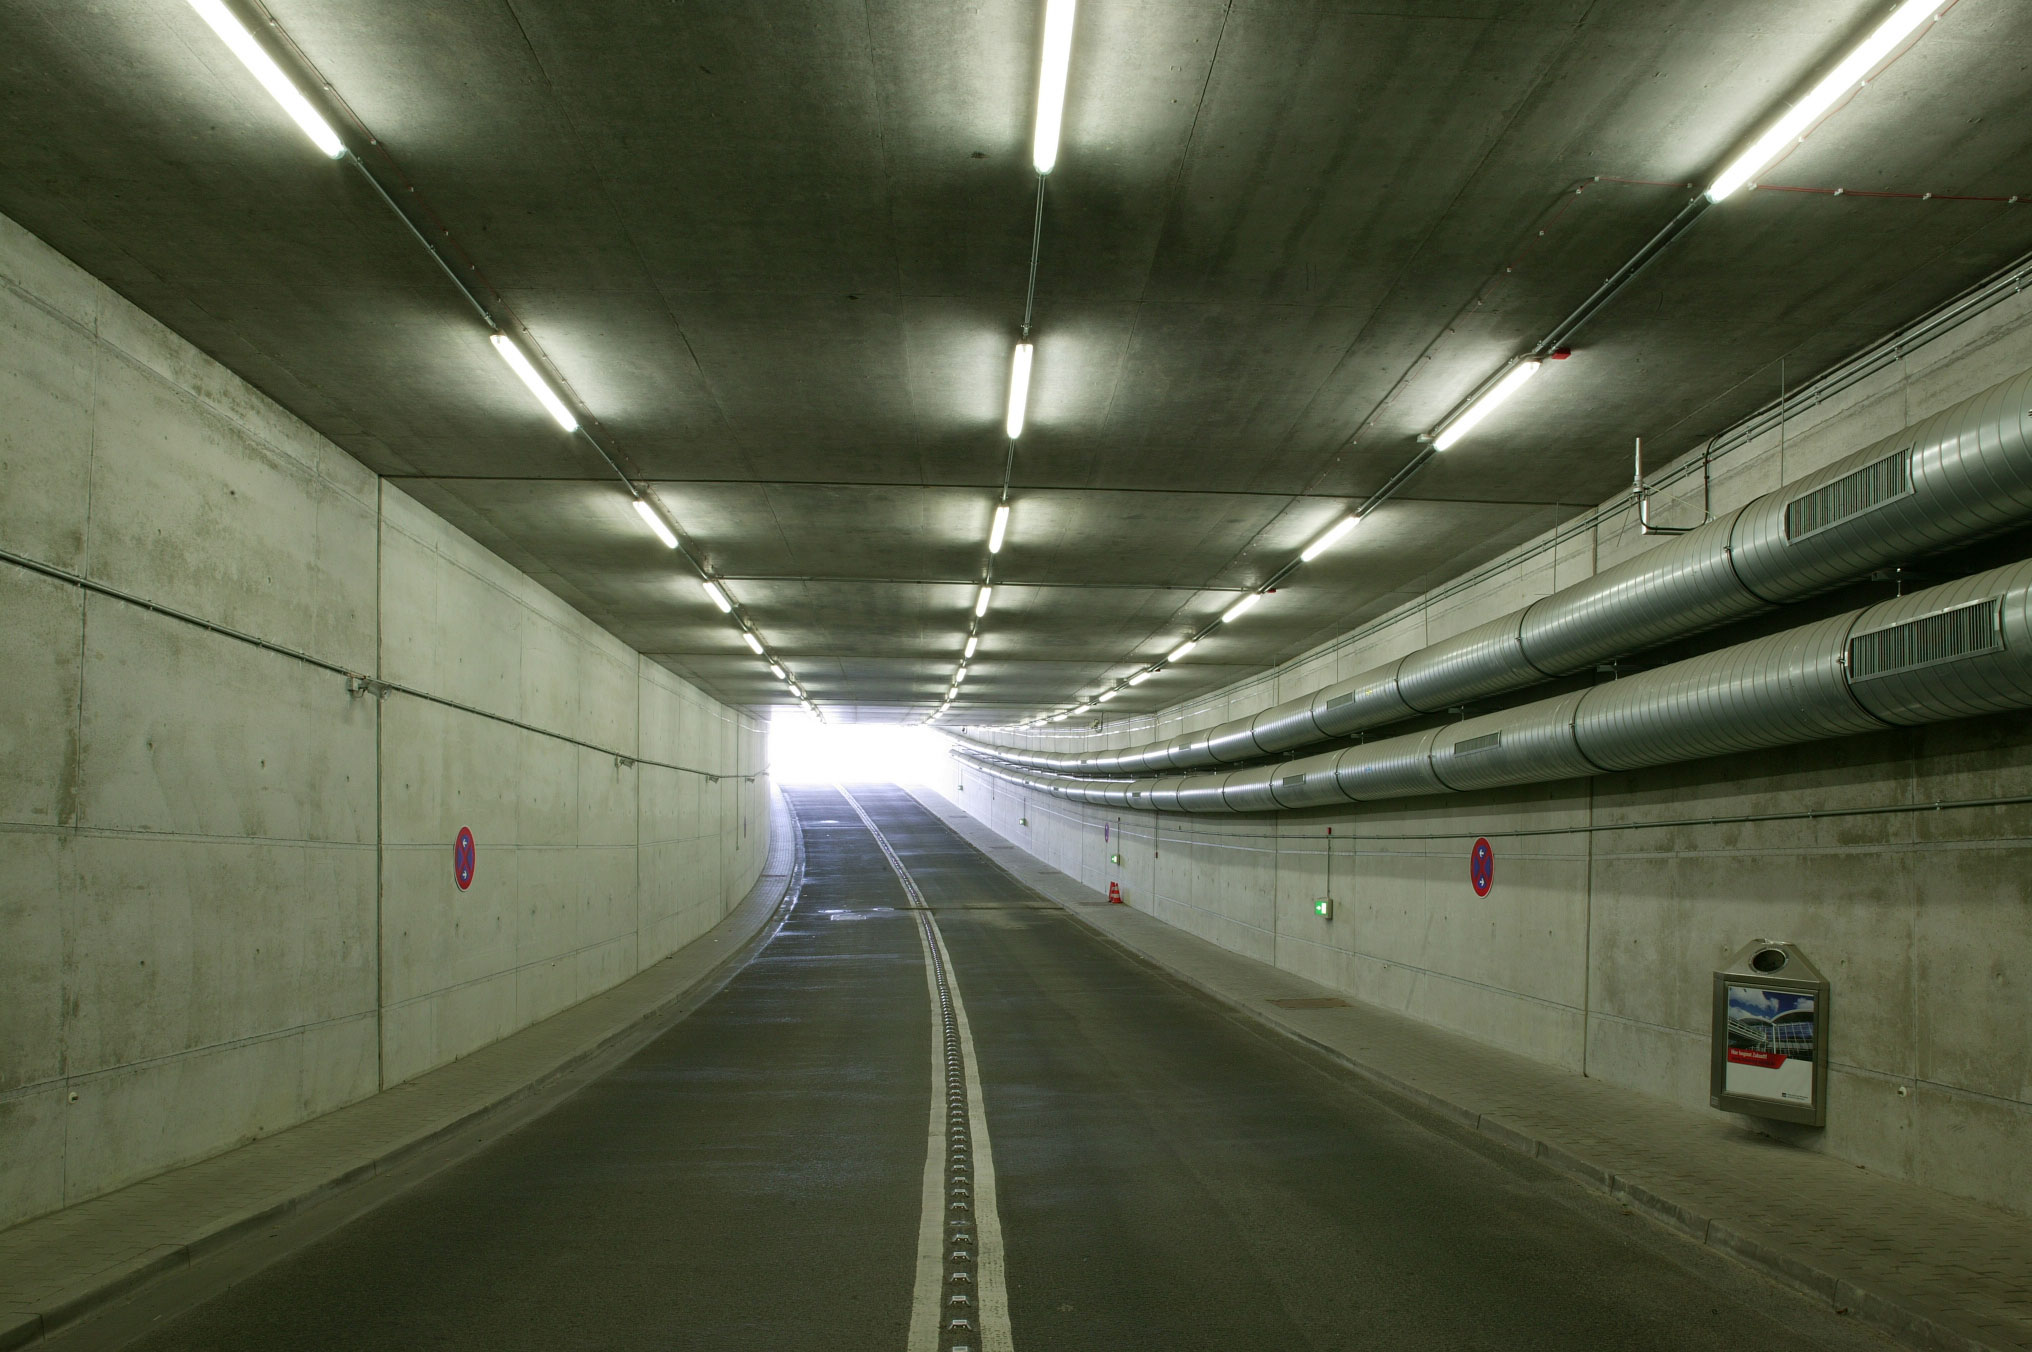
(961, 1298)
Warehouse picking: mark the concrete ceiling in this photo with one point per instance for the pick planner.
(780, 249)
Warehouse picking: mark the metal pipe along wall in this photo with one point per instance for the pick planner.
(1956, 476)
(1952, 651)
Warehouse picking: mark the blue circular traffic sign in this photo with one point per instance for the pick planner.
(465, 857)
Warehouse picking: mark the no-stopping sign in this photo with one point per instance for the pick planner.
(465, 855)
(1482, 867)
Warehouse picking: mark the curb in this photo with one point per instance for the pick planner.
(1844, 1296)
(92, 1293)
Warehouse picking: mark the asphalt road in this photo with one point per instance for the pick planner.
(1167, 1176)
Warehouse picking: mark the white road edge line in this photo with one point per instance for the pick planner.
(990, 1267)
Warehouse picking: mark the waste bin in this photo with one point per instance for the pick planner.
(1769, 1056)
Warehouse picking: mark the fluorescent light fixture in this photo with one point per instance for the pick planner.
(655, 523)
(538, 386)
(1181, 650)
(754, 644)
(1107, 695)
(973, 642)
(719, 595)
(263, 68)
(1141, 677)
(1058, 718)
(959, 677)
(1051, 83)
(777, 672)
(952, 694)
(981, 602)
(1081, 708)
(1240, 608)
(797, 689)
(1019, 390)
(1487, 404)
(1000, 528)
(1791, 126)
(1326, 541)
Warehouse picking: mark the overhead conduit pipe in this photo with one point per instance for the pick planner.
(1954, 477)
(1953, 651)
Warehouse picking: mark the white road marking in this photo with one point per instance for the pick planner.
(935, 1303)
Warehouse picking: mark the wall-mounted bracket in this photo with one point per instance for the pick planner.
(357, 686)
(1642, 495)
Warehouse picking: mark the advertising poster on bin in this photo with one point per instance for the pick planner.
(1770, 1049)
(1768, 1052)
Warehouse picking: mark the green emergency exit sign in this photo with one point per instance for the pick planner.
(1323, 908)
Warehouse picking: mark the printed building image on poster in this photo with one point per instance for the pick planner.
(1770, 1051)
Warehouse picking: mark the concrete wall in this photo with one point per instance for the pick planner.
(1616, 897)
(226, 891)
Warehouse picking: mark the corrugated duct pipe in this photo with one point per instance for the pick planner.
(1948, 479)
(1948, 652)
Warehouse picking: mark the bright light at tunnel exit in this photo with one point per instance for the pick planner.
(804, 751)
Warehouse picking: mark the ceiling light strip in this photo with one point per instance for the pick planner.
(462, 272)
(1787, 131)
(1052, 70)
(1491, 398)
(1791, 126)
(518, 362)
(1054, 67)
(262, 67)
(1863, 61)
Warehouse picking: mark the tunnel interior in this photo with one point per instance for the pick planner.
(1208, 674)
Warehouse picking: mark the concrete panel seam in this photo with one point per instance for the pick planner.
(282, 650)
(207, 1049)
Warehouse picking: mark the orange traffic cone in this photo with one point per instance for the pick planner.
(1114, 894)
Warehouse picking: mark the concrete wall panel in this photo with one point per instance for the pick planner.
(45, 438)
(226, 890)
(32, 865)
(188, 731)
(193, 511)
(40, 660)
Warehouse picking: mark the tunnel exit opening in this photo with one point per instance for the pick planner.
(803, 750)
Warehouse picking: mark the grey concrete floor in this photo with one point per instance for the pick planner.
(1168, 1176)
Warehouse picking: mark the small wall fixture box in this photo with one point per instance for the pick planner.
(1323, 908)
(1114, 858)
(1023, 821)
(1769, 1055)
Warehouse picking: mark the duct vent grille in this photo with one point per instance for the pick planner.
(1290, 781)
(1831, 504)
(1965, 631)
(1338, 700)
(1488, 741)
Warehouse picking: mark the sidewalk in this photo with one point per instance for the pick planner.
(57, 1268)
(1932, 1270)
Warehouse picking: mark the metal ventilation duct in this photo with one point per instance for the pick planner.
(1948, 652)
(1948, 479)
